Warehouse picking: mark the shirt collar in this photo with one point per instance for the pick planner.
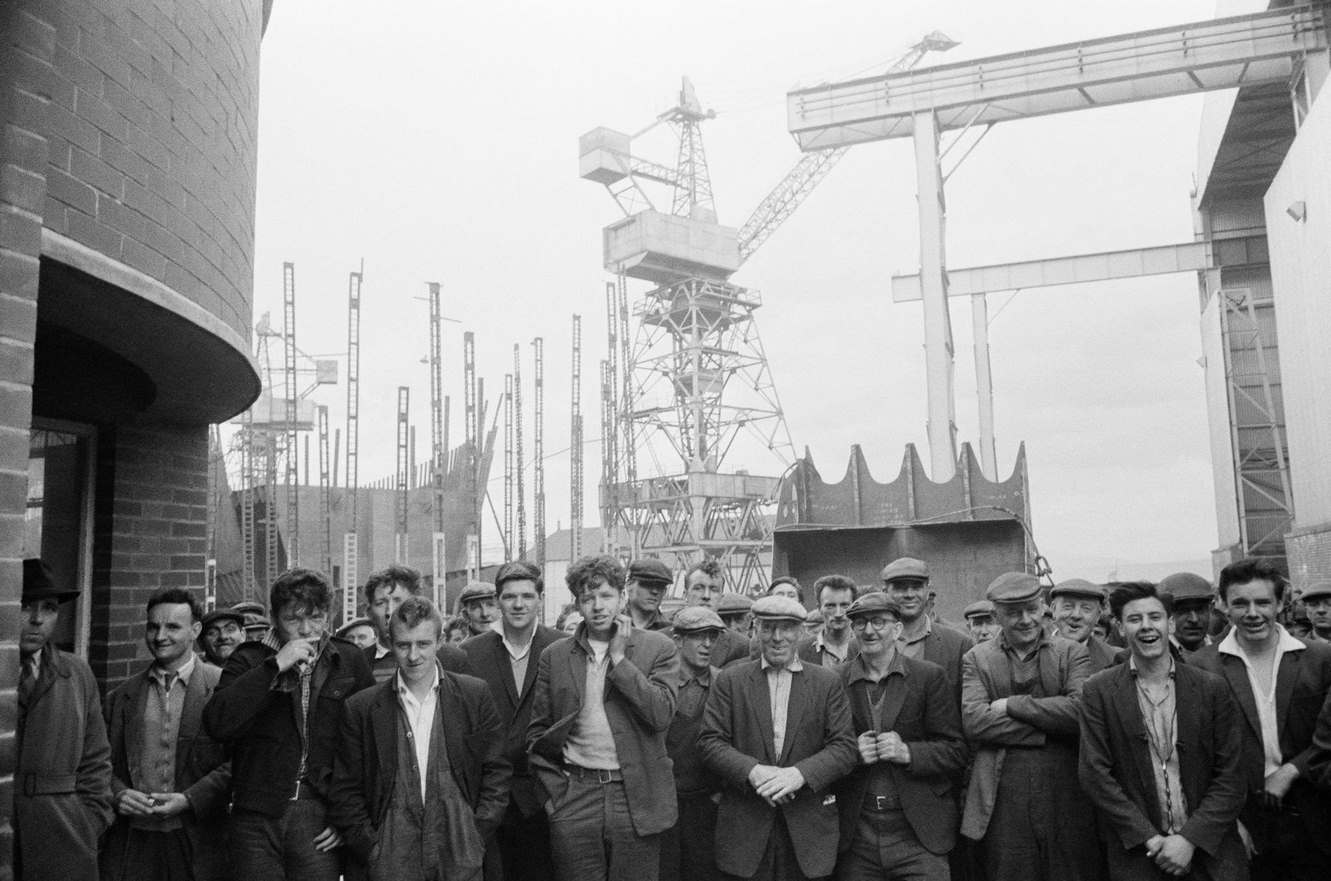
(1287, 642)
(685, 677)
(795, 666)
(1003, 643)
(400, 685)
(1132, 665)
(516, 652)
(182, 675)
(859, 669)
(928, 629)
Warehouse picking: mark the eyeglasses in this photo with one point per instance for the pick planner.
(877, 623)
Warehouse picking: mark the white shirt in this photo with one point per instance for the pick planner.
(778, 691)
(1266, 701)
(420, 721)
(518, 656)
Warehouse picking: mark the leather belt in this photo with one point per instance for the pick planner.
(882, 803)
(49, 784)
(593, 775)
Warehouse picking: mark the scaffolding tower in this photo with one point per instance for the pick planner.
(519, 464)
(538, 450)
(403, 472)
(350, 541)
(292, 478)
(575, 446)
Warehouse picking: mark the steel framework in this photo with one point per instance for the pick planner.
(576, 487)
(403, 472)
(538, 450)
(519, 462)
(292, 479)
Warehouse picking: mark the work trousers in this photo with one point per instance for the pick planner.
(688, 849)
(155, 856)
(1288, 848)
(282, 848)
(592, 836)
(523, 845)
(1042, 827)
(885, 849)
(1230, 863)
(779, 862)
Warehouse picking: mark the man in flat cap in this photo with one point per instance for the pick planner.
(835, 643)
(1317, 602)
(736, 612)
(980, 622)
(478, 604)
(704, 585)
(256, 620)
(221, 631)
(688, 849)
(899, 806)
(1077, 606)
(62, 761)
(1193, 600)
(906, 581)
(1019, 711)
(646, 585)
(777, 731)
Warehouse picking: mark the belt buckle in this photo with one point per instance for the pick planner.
(880, 803)
(604, 776)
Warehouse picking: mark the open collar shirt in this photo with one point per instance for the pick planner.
(518, 655)
(419, 716)
(1265, 700)
(778, 691)
(1162, 722)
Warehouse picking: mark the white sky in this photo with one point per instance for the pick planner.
(438, 141)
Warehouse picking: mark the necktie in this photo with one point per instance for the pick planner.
(27, 679)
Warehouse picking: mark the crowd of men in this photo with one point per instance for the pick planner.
(1073, 731)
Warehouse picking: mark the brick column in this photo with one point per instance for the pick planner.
(27, 43)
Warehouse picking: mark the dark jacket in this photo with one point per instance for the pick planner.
(737, 735)
(639, 703)
(1116, 765)
(367, 749)
(490, 660)
(202, 773)
(256, 712)
(946, 646)
(62, 773)
(918, 706)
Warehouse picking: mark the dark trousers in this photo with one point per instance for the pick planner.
(277, 848)
(885, 849)
(592, 837)
(1230, 863)
(688, 849)
(523, 844)
(155, 856)
(1289, 847)
(779, 862)
(1042, 827)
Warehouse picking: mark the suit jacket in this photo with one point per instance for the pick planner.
(62, 773)
(202, 773)
(737, 735)
(488, 657)
(811, 651)
(365, 767)
(1103, 655)
(640, 705)
(1116, 764)
(946, 646)
(1302, 683)
(918, 706)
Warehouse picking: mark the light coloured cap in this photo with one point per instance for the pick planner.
(872, 603)
(1317, 590)
(1013, 587)
(778, 608)
(477, 590)
(352, 624)
(734, 604)
(814, 616)
(223, 615)
(1078, 587)
(979, 607)
(1186, 586)
(696, 619)
(906, 567)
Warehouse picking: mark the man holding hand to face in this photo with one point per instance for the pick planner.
(777, 731)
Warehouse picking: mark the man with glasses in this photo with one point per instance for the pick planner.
(906, 581)
(834, 644)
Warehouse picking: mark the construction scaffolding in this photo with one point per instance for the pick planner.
(576, 487)
(538, 451)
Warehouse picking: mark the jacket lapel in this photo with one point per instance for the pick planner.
(134, 702)
(503, 664)
(577, 665)
(761, 707)
(197, 693)
(1128, 711)
(894, 696)
(538, 644)
(1237, 675)
(450, 714)
(795, 707)
(383, 722)
(1290, 665)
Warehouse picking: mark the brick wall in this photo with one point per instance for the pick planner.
(149, 532)
(152, 121)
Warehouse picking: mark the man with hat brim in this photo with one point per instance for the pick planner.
(735, 612)
(1019, 712)
(688, 849)
(777, 732)
(257, 624)
(906, 581)
(1317, 603)
(479, 605)
(899, 806)
(359, 631)
(1077, 605)
(1192, 599)
(645, 587)
(62, 761)
(980, 622)
(221, 631)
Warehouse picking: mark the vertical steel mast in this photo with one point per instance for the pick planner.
(292, 475)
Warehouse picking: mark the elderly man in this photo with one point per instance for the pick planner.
(1317, 602)
(648, 581)
(906, 580)
(385, 590)
(835, 643)
(1279, 683)
(980, 623)
(777, 731)
(62, 767)
(359, 632)
(220, 632)
(1179, 816)
(507, 659)
(170, 783)
(478, 605)
(1019, 710)
(1077, 607)
(688, 849)
(735, 610)
(1193, 600)
(256, 620)
(899, 807)
(604, 700)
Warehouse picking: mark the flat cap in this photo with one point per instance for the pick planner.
(250, 607)
(477, 590)
(39, 583)
(814, 616)
(734, 603)
(696, 619)
(1013, 587)
(355, 622)
(1317, 590)
(778, 608)
(872, 603)
(1186, 586)
(216, 615)
(1078, 587)
(650, 570)
(979, 607)
(906, 567)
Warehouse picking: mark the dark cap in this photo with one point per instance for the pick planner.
(1078, 587)
(1013, 587)
(696, 619)
(977, 608)
(650, 572)
(778, 608)
(216, 615)
(355, 622)
(733, 604)
(906, 567)
(39, 583)
(477, 590)
(872, 603)
(1184, 586)
(1317, 590)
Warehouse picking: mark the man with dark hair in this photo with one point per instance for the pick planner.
(787, 586)
(170, 783)
(1077, 605)
(507, 661)
(62, 770)
(220, 632)
(704, 585)
(777, 732)
(835, 643)
(1279, 682)
(421, 779)
(899, 806)
(1192, 600)
(278, 707)
(1180, 816)
(647, 583)
(384, 592)
(603, 702)
(906, 581)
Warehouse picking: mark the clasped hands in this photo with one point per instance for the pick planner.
(1172, 853)
(776, 785)
(132, 803)
(885, 746)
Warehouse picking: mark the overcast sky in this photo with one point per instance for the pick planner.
(438, 142)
